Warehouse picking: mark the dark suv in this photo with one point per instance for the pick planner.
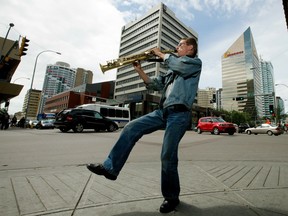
(242, 127)
(215, 125)
(80, 119)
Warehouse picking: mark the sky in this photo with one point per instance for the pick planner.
(87, 33)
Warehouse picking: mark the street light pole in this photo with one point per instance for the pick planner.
(10, 26)
(29, 94)
(281, 84)
(21, 78)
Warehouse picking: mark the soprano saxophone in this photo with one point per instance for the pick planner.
(122, 61)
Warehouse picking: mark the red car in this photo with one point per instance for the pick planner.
(215, 125)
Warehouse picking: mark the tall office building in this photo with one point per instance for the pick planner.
(280, 107)
(267, 87)
(32, 108)
(83, 77)
(158, 28)
(218, 99)
(205, 97)
(241, 76)
(58, 78)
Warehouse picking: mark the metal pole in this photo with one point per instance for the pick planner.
(10, 26)
(281, 84)
(21, 78)
(30, 90)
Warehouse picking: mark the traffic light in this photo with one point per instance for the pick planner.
(23, 47)
(238, 98)
(271, 109)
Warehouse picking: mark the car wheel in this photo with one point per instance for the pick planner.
(216, 131)
(199, 131)
(78, 128)
(249, 132)
(64, 130)
(231, 133)
(270, 133)
(111, 128)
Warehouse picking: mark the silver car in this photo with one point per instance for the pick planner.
(264, 129)
(47, 123)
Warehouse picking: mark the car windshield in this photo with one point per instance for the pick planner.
(218, 119)
(63, 112)
(244, 125)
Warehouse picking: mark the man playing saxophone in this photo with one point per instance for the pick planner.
(179, 87)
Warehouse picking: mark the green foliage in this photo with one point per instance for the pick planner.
(238, 117)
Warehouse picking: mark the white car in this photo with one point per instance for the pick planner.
(33, 123)
(264, 129)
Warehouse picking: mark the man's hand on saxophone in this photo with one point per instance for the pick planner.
(142, 74)
(156, 51)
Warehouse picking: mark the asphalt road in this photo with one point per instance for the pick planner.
(32, 148)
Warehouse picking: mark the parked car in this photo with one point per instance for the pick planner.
(285, 128)
(265, 129)
(236, 127)
(33, 123)
(242, 127)
(215, 125)
(45, 124)
(80, 119)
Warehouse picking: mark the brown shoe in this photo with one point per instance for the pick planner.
(100, 170)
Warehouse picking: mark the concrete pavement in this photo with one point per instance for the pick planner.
(208, 187)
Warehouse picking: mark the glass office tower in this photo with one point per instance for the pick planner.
(268, 89)
(58, 78)
(241, 77)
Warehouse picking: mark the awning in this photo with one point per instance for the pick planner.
(9, 90)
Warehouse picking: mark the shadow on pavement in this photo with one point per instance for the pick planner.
(185, 209)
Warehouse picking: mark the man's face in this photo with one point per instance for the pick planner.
(183, 48)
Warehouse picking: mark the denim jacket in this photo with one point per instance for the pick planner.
(187, 75)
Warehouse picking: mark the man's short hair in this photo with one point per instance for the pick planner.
(193, 42)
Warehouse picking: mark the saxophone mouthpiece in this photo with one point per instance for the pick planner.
(155, 60)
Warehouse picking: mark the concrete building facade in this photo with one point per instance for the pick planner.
(206, 97)
(33, 106)
(158, 28)
(83, 77)
(83, 94)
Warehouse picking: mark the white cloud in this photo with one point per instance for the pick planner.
(86, 35)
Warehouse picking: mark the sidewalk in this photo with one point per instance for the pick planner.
(207, 188)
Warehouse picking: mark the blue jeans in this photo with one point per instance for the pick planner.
(176, 124)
